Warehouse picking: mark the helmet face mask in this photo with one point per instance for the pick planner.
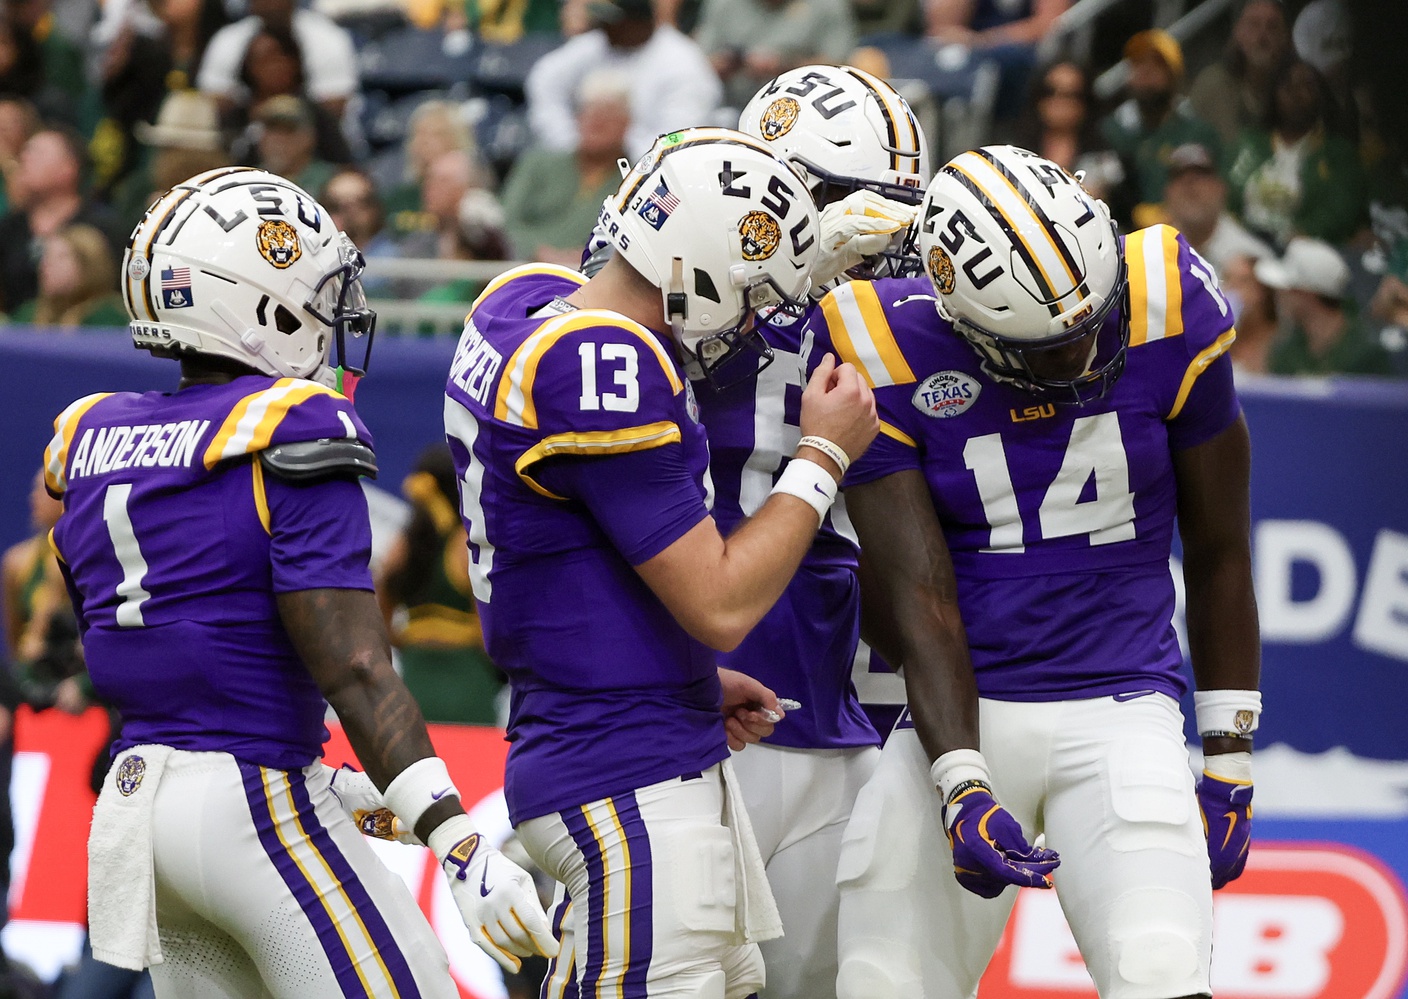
(1074, 368)
(1028, 268)
(340, 302)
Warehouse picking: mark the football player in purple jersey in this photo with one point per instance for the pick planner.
(215, 541)
(604, 585)
(1053, 397)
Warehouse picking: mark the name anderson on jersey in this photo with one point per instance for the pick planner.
(161, 445)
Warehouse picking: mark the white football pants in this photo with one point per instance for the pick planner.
(264, 888)
(647, 900)
(800, 801)
(1108, 783)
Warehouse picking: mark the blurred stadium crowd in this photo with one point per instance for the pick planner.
(490, 130)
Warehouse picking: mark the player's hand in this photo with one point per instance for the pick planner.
(860, 225)
(989, 850)
(1226, 805)
(496, 897)
(750, 709)
(839, 406)
(364, 805)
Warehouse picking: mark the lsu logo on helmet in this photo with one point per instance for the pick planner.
(761, 235)
(278, 242)
(779, 117)
(941, 270)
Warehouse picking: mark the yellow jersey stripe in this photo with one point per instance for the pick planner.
(251, 424)
(1197, 366)
(1155, 291)
(65, 430)
(1009, 200)
(54, 547)
(594, 442)
(862, 336)
(895, 433)
(514, 399)
(323, 896)
(261, 498)
(555, 270)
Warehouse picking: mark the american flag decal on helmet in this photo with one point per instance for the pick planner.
(176, 288)
(659, 206)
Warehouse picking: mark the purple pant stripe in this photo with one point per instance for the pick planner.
(380, 933)
(343, 966)
(576, 821)
(642, 916)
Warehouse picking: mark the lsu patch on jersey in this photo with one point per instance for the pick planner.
(1059, 518)
(609, 693)
(176, 544)
(804, 647)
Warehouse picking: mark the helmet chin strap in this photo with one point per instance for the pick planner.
(676, 312)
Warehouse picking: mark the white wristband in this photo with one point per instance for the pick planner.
(831, 450)
(1236, 767)
(1229, 713)
(959, 766)
(810, 483)
(422, 784)
(448, 834)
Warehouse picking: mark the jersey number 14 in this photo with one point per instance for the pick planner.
(1096, 449)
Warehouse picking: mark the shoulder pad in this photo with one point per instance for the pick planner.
(316, 461)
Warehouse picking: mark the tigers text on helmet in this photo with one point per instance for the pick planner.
(1028, 268)
(245, 265)
(722, 226)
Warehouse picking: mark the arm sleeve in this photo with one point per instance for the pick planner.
(320, 536)
(643, 501)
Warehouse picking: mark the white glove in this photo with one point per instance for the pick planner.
(365, 806)
(496, 897)
(860, 225)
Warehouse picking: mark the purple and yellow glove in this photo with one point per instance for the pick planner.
(1225, 799)
(990, 851)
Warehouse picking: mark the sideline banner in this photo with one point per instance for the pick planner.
(1320, 913)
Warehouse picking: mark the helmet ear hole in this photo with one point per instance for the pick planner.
(286, 321)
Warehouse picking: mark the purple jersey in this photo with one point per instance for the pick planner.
(175, 544)
(804, 647)
(580, 455)
(1059, 518)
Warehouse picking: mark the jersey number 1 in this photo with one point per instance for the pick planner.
(129, 555)
(1095, 449)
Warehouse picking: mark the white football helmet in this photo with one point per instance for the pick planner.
(723, 227)
(245, 265)
(843, 130)
(1028, 267)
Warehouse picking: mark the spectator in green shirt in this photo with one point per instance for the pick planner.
(551, 199)
(288, 141)
(1325, 337)
(1294, 177)
(1156, 120)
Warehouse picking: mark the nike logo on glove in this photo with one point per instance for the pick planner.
(484, 888)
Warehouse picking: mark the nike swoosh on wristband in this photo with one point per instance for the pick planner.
(1130, 695)
(437, 795)
(818, 489)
